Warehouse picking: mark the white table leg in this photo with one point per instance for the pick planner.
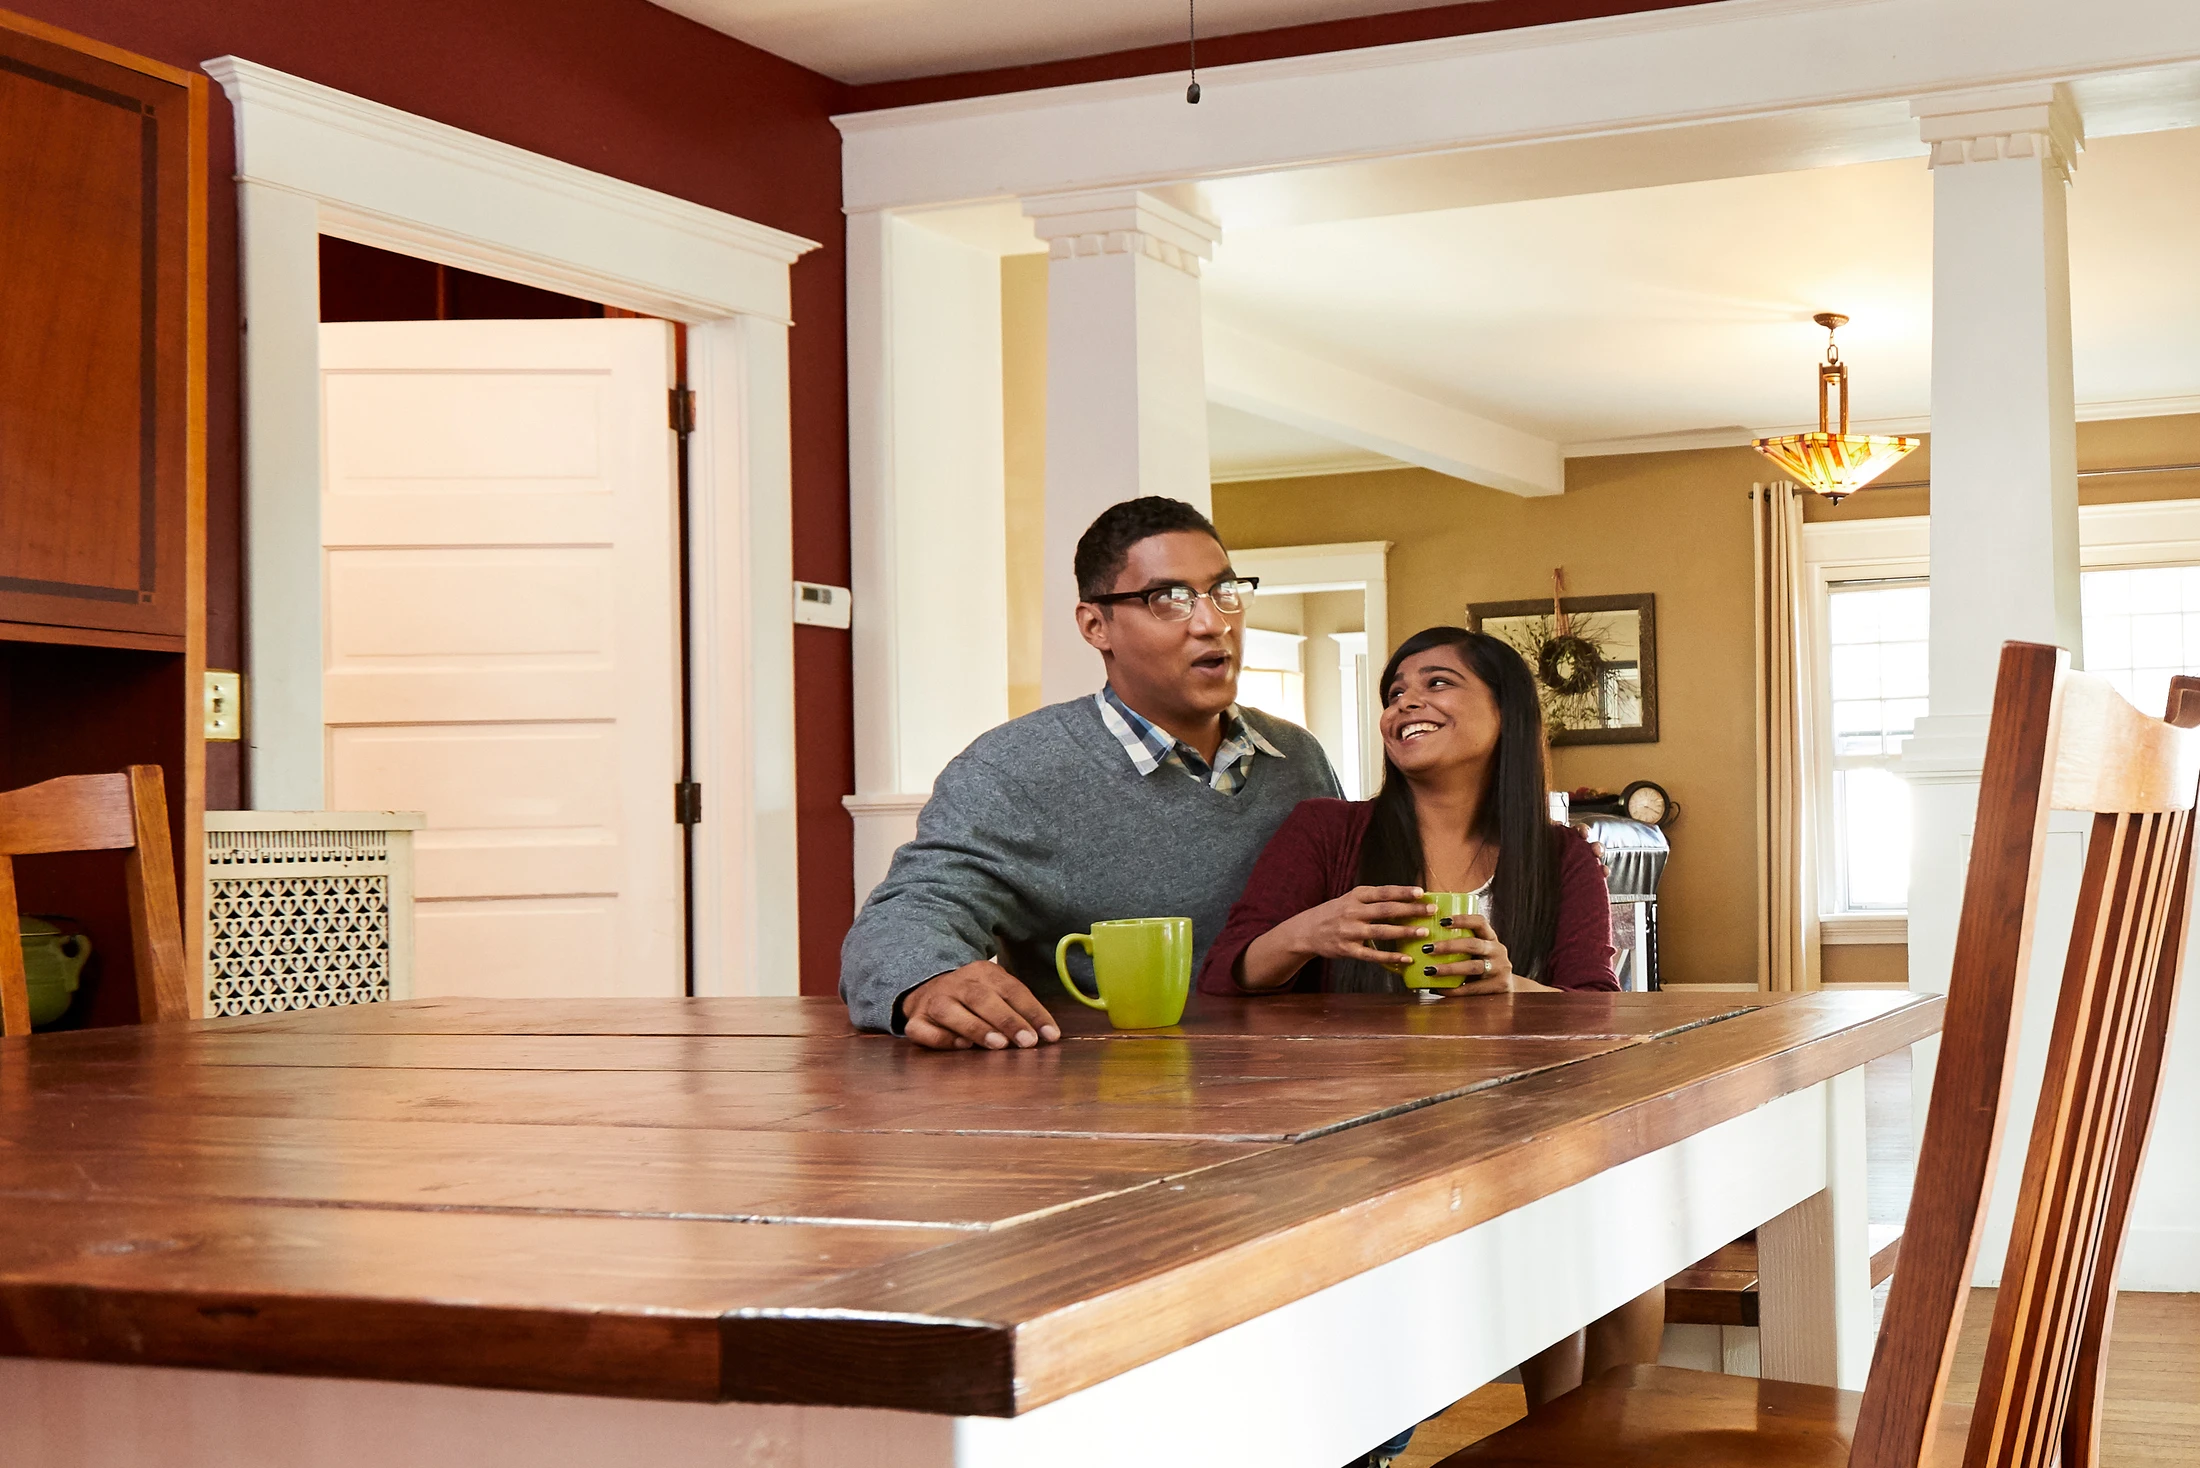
(1814, 1262)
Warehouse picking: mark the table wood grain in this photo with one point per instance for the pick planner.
(743, 1200)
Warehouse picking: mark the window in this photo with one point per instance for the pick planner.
(2142, 627)
(1273, 679)
(1877, 686)
(2139, 596)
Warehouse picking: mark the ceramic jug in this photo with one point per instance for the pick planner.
(52, 960)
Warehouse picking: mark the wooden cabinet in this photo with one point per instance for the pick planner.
(102, 283)
(102, 453)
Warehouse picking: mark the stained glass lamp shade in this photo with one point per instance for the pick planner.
(1835, 464)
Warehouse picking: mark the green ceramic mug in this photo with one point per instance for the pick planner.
(1142, 967)
(1447, 905)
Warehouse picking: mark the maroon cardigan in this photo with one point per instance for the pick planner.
(1315, 856)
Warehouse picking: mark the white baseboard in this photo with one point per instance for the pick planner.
(2156, 1260)
(2162, 1259)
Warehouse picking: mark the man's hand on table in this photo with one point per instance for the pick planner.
(980, 1006)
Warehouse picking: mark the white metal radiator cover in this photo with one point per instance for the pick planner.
(306, 909)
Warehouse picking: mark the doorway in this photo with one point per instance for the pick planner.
(501, 593)
(1315, 642)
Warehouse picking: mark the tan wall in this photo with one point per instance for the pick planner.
(2120, 443)
(1864, 963)
(1675, 525)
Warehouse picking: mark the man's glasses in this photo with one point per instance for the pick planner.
(1176, 603)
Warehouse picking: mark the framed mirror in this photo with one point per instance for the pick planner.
(1597, 675)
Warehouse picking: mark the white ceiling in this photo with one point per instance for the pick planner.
(1681, 314)
(885, 40)
(1242, 445)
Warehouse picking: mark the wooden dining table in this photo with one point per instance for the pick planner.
(734, 1231)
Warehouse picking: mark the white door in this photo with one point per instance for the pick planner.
(501, 584)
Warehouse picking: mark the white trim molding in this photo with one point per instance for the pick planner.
(884, 823)
(1864, 928)
(385, 177)
(1569, 94)
(312, 160)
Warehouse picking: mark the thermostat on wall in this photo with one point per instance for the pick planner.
(820, 606)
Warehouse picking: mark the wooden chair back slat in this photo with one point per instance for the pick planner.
(2054, 1247)
(126, 811)
(2066, 741)
(73, 813)
(2081, 1432)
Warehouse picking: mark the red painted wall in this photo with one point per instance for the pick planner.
(630, 90)
(1393, 28)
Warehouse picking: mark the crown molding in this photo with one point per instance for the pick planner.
(1308, 469)
(377, 173)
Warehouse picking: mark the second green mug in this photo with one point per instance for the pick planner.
(1142, 967)
(1447, 905)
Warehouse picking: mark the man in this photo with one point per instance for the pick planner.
(1150, 798)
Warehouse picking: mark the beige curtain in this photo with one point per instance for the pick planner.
(1787, 923)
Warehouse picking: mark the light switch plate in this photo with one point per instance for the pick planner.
(224, 704)
(820, 606)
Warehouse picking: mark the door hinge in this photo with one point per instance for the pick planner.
(683, 410)
(687, 803)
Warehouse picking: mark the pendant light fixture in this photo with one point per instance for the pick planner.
(1834, 463)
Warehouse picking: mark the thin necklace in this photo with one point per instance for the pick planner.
(1480, 843)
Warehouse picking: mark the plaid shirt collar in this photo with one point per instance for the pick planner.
(1150, 747)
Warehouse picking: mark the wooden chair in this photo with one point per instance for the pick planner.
(128, 812)
(1721, 1287)
(2058, 740)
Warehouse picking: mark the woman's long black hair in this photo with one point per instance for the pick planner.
(1515, 811)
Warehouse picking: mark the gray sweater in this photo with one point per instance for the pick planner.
(1042, 827)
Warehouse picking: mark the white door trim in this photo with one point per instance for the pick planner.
(311, 161)
(1359, 565)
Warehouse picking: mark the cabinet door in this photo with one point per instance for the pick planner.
(101, 209)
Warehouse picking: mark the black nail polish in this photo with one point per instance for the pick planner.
(1428, 947)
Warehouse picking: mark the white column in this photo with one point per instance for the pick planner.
(280, 256)
(741, 620)
(2004, 529)
(927, 517)
(1126, 384)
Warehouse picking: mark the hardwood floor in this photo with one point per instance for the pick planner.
(2153, 1417)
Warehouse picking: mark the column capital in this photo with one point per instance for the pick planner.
(2037, 120)
(1124, 221)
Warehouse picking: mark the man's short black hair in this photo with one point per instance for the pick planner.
(1106, 544)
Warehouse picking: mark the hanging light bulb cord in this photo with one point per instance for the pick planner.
(1191, 93)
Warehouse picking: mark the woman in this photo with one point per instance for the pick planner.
(1463, 808)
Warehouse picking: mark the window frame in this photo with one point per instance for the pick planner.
(1837, 552)
(2125, 536)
